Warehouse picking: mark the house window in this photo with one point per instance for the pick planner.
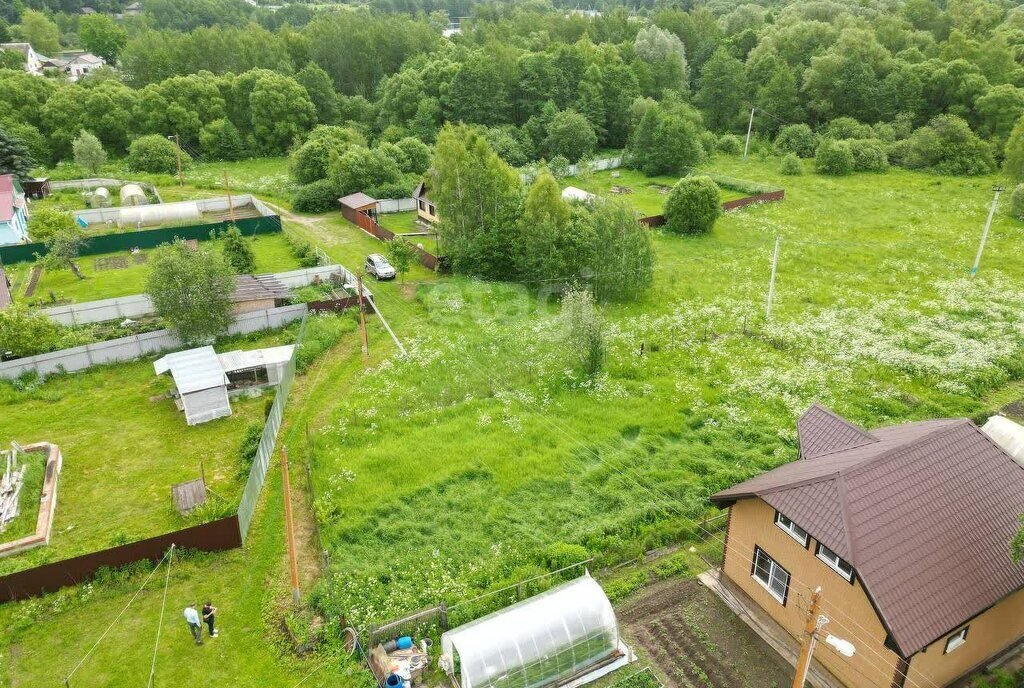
(768, 573)
(795, 531)
(956, 640)
(835, 562)
(423, 206)
(433, 210)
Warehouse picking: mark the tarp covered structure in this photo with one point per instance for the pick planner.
(1008, 435)
(200, 381)
(536, 642)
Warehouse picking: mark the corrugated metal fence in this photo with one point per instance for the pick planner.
(130, 348)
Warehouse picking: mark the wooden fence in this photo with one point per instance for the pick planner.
(370, 226)
(215, 536)
(770, 197)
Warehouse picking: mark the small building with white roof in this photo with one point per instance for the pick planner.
(572, 193)
(200, 382)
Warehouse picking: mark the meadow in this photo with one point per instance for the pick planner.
(646, 194)
(495, 452)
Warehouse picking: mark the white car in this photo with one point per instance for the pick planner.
(378, 266)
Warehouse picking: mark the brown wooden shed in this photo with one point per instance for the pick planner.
(356, 203)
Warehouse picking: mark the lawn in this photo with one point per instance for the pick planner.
(647, 194)
(402, 223)
(124, 445)
(493, 449)
(272, 255)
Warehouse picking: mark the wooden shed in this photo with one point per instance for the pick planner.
(356, 203)
(37, 188)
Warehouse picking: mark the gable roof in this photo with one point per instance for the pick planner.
(823, 432)
(420, 191)
(193, 370)
(924, 514)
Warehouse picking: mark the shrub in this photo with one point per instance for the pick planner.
(948, 146)
(791, 165)
(238, 251)
(249, 445)
(583, 331)
(88, 152)
(709, 142)
(570, 134)
(847, 128)
(26, 333)
(897, 152)
(558, 555)
(302, 250)
(833, 158)
(869, 155)
(47, 222)
(730, 143)
(154, 153)
(318, 197)
(221, 140)
(797, 139)
(1017, 202)
(692, 206)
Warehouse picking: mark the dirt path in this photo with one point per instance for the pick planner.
(695, 641)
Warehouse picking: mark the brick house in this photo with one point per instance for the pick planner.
(906, 529)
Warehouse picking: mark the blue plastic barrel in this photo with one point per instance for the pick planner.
(404, 643)
(394, 681)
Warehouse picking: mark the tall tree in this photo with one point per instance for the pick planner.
(321, 91)
(281, 112)
(722, 91)
(14, 156)
(102, 36)
(89, 153)
(39, 30)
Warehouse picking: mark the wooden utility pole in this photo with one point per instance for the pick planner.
(771, 282)
(177, 149)
(293, 562)
(984, 234)
(750, 127)
(231, 205)
(803, 663)
(362, 321)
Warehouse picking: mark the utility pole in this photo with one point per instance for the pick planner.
(177, 148)
(803, 664)
(362, 321)
(984, 234)
(231, 206)
(771, 282)
(750, 126)
(293, 563)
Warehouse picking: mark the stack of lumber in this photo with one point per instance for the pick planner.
(10, 486)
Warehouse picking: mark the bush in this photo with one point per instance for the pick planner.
(869, 155)
(154, 153)
(948, 146)
(791, 165)
(238, 251)
(221, 140)
(248, 447)
(730, 143)
(302, 250)
(26, 333)
(709, 142)
(558, 555)
(318, 197)
(897, 152)
(797, 139)
(847, 128)
(833, 158)
(583, 331)
(692, 206)
(570, 134)
(1017, 202)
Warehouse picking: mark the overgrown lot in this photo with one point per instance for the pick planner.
(481, 451)
(646, 194)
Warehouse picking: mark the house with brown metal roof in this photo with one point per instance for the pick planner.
(258, 293)
(905, 529)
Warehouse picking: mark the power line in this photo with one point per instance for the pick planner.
(160, 623)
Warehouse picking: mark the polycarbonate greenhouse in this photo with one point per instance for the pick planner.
(536, 642)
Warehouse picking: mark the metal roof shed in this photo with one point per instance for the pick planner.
(540, 641)
(200, 381)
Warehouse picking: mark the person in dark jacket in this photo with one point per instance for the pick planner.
(209, 612)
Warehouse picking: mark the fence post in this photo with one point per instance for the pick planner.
(444, 616)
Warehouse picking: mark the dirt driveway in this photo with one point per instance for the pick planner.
(694, 641)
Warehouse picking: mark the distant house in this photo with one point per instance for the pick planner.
(572, 193)
(74, 63)
(425, 208)
(133, 9)
(33, 60)
(87, 10)
(906, 531)
(258, 293)
(13, 212)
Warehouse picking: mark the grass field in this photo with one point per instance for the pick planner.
(482, 458)
(401, 223)
(647, 193)
(493, 450)
(272, 255)
(124, 445)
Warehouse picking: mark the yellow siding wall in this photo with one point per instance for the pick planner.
(424, 212)
(752, 522)
(988, 633)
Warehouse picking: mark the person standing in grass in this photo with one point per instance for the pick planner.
(209, 611)
(194, 625)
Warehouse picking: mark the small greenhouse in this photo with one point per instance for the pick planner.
(563, 633)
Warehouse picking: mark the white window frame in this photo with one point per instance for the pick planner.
(793, 530)
(773, 568)
(834, 564)
(956, 640)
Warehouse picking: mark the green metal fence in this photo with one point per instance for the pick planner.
(265, 452)
(146, 238)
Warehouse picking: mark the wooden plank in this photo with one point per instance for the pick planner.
(189, 494)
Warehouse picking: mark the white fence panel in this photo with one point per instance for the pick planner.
(98, 311)
(396, 205)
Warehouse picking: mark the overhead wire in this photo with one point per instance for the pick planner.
(160, 622)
